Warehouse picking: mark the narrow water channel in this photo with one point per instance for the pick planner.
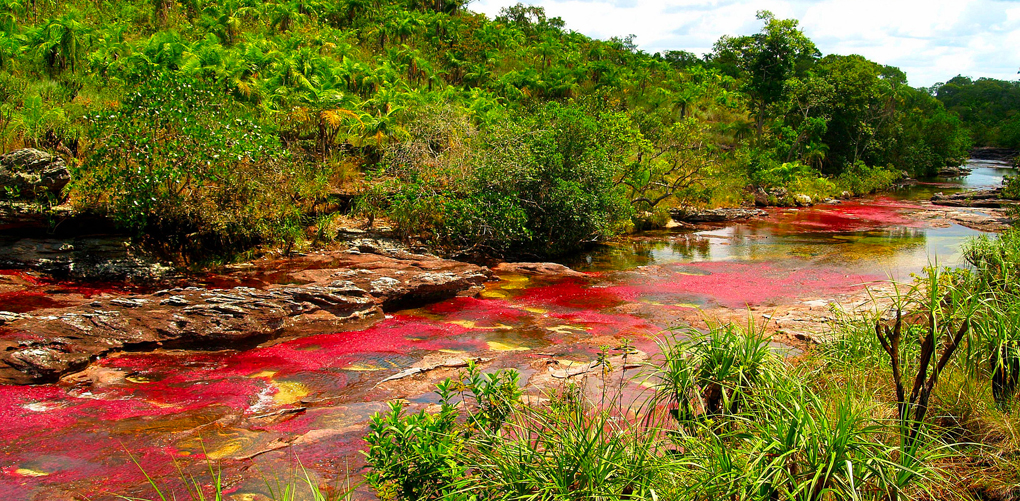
(259, 411)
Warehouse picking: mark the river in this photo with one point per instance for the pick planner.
(260, 413)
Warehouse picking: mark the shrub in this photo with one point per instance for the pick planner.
(175, 159)
(860, 179)
(421, 456)
(540, 185)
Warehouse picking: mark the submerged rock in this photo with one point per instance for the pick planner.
(29, 174)
(46, 344)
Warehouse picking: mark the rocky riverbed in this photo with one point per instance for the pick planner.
(337, 290)
(263, 364)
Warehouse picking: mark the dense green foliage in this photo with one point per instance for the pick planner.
(989, 108)
(241, 121)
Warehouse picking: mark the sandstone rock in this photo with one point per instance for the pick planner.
(32, 174)
(975, 198)
(691, 215)
(953, 171)
(94, 258)
(997, 154)
(355, 289)
(545, 270)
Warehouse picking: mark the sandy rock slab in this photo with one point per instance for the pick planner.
(988, 219)
(341, 291)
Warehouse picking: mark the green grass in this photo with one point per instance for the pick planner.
(724, 416)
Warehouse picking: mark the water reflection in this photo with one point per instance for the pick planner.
(867, 236)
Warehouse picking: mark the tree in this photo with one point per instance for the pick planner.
(767, 60)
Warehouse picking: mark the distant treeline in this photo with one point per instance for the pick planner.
(989, 108)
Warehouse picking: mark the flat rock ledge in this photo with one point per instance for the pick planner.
(44, 345)
(689, 215)
(543, 270)
(976, 198)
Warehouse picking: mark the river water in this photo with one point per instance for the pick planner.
(262, 412)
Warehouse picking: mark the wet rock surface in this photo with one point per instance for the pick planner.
(334, 291)
(57, 241)
(546, 270)
(989, 198)
(997, 154)
(691, 215)
(32, 174)
(953, 171)
(99, 257)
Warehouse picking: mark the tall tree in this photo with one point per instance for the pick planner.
(766, 61)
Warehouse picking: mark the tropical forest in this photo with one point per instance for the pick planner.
(399, 249)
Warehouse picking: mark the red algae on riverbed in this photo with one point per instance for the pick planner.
(736, 285)
(314, 395)
(22, 292)
(847, 216)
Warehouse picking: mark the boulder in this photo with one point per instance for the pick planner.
(803, 200)
(32, 174)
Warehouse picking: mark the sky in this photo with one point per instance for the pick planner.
(931, 40)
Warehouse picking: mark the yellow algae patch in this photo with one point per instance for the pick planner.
(227, 443)
(494, 294)
(228, 449)
(538, 311)
(567, 329)
(497, 346)
(161, 405)
(264, 374)
(28, 472)
(452, 352)
(471, 324)
(360, 367)
(138, 379)
(289, 392)
(687, 305)
(513, 282)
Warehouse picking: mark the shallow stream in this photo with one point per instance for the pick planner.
(263, 411)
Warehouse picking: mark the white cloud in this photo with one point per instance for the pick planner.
(931, 40)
